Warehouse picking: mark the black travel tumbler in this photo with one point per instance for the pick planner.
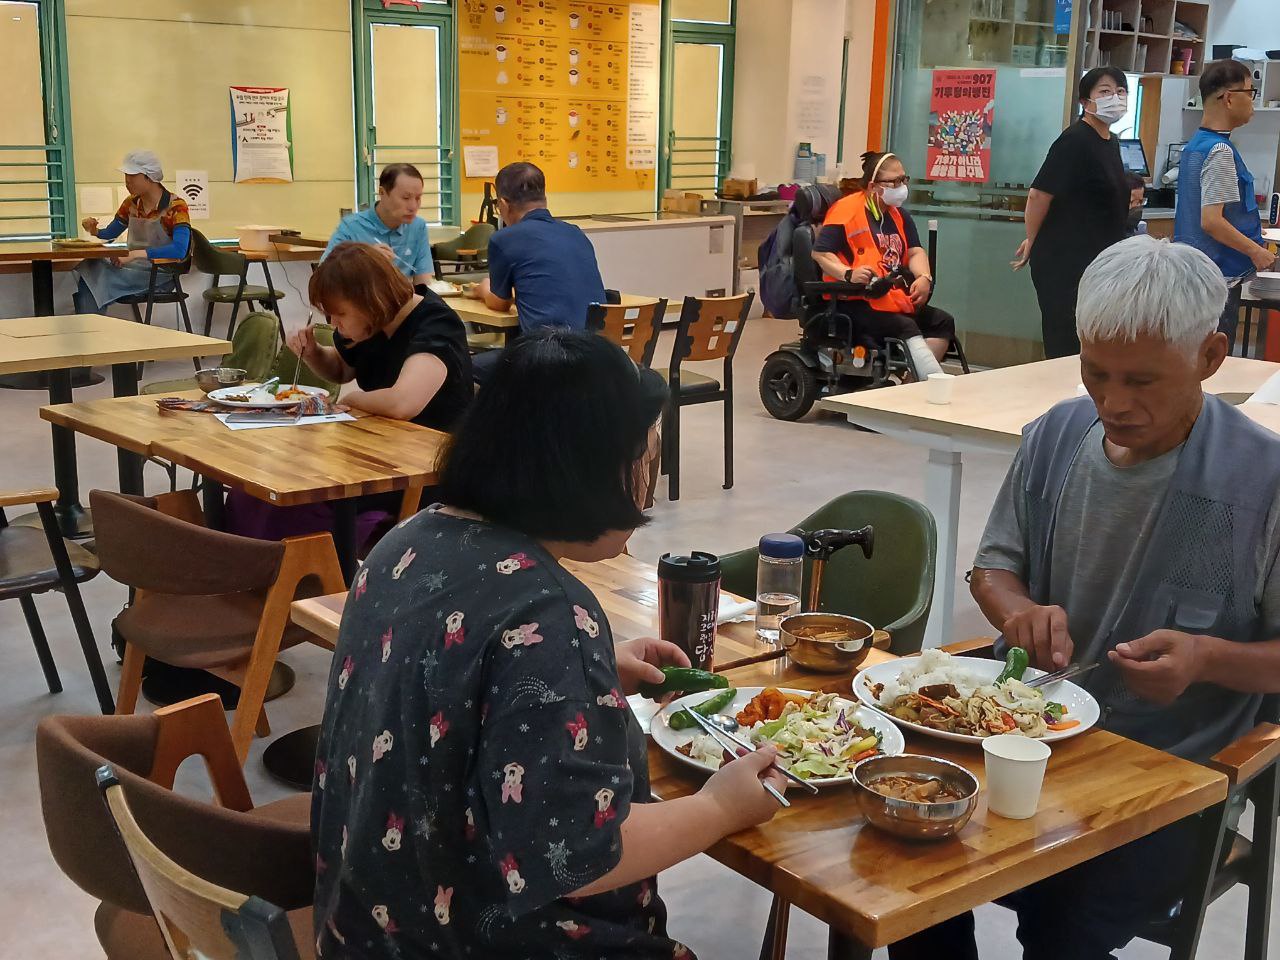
(688, 603)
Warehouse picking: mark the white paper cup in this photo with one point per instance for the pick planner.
(499, 13)
(500, 51)
(1015, 774)
(573, 77)
(940, 387)
(573, 57)
(575, 20)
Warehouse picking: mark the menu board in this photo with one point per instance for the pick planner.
(570, 85)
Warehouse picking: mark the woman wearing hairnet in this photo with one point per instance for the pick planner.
(159, 228)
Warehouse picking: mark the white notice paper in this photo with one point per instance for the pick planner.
(644, 35)
(480, 161)
(194, 187)
(305, 421)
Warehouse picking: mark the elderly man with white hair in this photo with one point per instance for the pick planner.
(1137, 529)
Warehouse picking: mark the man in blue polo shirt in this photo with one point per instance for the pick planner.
(545, 266)
(392, 224)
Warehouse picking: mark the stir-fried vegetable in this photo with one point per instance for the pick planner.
(683, 680)
(1015, 665)
(818, 739)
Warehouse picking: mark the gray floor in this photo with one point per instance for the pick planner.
(783, 472)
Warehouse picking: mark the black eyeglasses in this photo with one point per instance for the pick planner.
(1253, 92)
(896, 181)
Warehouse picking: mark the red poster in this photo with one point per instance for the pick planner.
(960, 114)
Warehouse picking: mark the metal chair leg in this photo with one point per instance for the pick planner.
(1260, 877)
(673, 466)
(208, 318)
(728, 427)
(774, 946)
(137, 314)
(41, 643)
(1186, 931)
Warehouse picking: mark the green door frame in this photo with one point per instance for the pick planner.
(364, 14)
(688, 31)
(59, 179)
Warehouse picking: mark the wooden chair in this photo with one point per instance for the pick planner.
(199, 920)
(38, 561)
(265, 851)
(634, 328)
(709, 329)
(207, 599)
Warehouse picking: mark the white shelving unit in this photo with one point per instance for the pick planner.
(1140, 36)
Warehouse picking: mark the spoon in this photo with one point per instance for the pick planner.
(721, 723)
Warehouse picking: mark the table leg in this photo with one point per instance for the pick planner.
(841, 946)
(215, 504)
(942, 496)
(344, 536)
(291, 758)
(72, 519)
(124, 383)
(42, 306)
(42, 287)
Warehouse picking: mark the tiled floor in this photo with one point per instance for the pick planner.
(783, 472)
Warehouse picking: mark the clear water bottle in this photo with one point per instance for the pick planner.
(779, 579)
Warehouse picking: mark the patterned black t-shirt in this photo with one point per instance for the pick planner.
(476, 761)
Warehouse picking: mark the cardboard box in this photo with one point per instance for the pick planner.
(678, 201)
(738, 189)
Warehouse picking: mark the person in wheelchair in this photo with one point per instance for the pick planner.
(867, 235)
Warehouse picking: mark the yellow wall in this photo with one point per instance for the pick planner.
(20, 120)
(153, 74)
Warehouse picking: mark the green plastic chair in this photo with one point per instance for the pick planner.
(476, 238)
(893, 590)
(219, 262)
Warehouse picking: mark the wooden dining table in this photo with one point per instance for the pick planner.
(1100, 792)
(57, 345)
(283, 466)
(41, 255)
(507, 322)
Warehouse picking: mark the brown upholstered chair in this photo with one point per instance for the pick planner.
(205, 599)
(634, 327)
(36, 561)
(197, 919)
(710, 328)
(264, 851)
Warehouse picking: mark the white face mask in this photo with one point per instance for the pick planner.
(1111, 108)
(895, 196)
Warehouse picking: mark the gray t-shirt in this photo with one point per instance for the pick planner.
(1105, 520)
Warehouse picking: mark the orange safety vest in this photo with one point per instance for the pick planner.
(850, 212)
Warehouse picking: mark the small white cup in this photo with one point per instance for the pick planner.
(575, 21)
(500, 52)
(1015, 774)
(573, 57)
(499, 13)
(940, 387)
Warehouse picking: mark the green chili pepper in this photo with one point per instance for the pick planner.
(1015, 665)
(682, 720)
(683, 680)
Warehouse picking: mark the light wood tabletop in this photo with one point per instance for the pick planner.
(285, 253)
(627, 591)
(474, 311)
(994, 405)
(1101, 791)
(86, 340)
(283, 466)
(26, 251)
(284, 239)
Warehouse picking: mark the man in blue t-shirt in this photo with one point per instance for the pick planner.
(546, 267)
(392, 224)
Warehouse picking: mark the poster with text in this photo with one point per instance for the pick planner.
(961, 111)
(261, 135)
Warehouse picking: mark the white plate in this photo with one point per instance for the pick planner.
(444, 288)
(222, 393)
(668, 739)
(1078, 701)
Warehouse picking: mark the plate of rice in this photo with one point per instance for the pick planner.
(958, 698)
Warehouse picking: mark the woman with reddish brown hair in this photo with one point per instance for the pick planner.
(403, 346)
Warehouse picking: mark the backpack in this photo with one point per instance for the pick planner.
(778, 291)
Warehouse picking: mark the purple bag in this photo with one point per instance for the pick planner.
(248, 516)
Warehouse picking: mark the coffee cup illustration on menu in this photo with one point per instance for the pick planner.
(500, 51)
(501, 116)
(575, 21)
(499, 13)
(573, 57)
(573, 159)
(573, 78)
(573, 118)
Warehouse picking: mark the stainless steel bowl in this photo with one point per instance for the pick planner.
(214, 378)
(908, 819)
(830, 656)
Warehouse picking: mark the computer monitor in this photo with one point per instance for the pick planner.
(1134, 157)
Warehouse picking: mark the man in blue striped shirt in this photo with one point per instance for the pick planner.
(392, 224)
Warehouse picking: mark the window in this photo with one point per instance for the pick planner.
(405, 105)
(697, 102)
(35, 143)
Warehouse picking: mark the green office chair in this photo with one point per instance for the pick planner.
(218, 262)
(893, 590)
(475, 241)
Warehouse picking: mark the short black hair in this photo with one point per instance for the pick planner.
(549, 447)
(1136, 181)
(1096, 76)
(1220, 75)
(521, 183)
(870, 161)
(391, 173)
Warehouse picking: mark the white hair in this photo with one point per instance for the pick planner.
(1143, 286)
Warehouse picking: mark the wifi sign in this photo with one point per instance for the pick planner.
(194, 185)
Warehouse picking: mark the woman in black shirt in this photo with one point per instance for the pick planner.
(1077, 207)
(405, 348)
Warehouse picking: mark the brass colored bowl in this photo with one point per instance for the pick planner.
(214, 378)
(906, 818)
(836, 655)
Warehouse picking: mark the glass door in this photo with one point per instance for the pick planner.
(697, 139)
(406, 105)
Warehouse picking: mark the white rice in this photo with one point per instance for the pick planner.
(932, 666)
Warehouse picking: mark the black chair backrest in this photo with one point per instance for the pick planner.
(803, 267)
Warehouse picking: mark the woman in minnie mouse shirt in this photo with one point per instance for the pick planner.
(481, 783)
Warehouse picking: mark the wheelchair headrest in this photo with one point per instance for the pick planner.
(813, 200)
